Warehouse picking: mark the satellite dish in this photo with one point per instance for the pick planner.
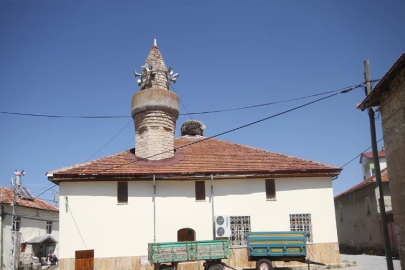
(170, 70)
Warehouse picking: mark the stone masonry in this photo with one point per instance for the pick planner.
(154, 131)
(155, 110)
(393, 124)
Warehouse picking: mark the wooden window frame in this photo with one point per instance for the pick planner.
(120, 184)
(270, 186)
(201, 188)
(49, 227)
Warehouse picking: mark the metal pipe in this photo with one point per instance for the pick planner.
(154, 209)
(212, 203)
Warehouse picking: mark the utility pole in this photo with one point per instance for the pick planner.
(386, 239)
(15, 239)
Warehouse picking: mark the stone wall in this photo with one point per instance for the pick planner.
(154, 134)
(393, 124)
(327, 253)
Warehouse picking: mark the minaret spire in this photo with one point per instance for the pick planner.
(155, 109)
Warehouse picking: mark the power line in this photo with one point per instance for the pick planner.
(182, 104)
(45, 191)
(5, 162)
(360, 154)
(244, 126)
(77, 227)
(110, 140)
(187, 113)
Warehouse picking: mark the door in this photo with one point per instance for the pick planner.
(84, 260)
(185, 234)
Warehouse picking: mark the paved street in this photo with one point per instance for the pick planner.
(367, 262)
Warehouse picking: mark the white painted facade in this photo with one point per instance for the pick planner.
(33, 223)
(368, 166)
(118, 230)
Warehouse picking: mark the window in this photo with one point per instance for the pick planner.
(199, 190)
(302, 222)
(368, 208)
(17, 224)
(270, 189)
(49, 227)
(122, 192)
(341, 212)
(240, 226)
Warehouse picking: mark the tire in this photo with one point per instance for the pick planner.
(216, 267)
(264, 265)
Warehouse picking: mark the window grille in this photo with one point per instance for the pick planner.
(240, 226)
(49, 227)
(302, 222)
(368, 208)
(270, 189)
(341, 212)
(17, 225)
(200, 191)
(122, 192)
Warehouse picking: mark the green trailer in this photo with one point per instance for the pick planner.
(265, 247)
(168, 255)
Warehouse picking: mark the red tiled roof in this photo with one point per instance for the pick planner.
(368, 181)
(36, 203)
(205, 157)
(370, 154)
(372, 99)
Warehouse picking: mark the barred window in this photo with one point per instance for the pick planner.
(199, 190)
(240, 226)
(270, 189)
(122, 192)
(302, 222)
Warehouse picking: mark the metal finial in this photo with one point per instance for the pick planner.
(155, 43)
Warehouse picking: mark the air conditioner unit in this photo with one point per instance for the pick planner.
(222, 226)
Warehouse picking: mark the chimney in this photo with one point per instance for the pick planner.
(155, 109)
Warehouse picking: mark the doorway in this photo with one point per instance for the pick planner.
(84, 260)
(185, 234)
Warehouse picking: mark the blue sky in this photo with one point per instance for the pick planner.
(78, 58)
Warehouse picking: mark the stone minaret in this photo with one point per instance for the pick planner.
(155, 109)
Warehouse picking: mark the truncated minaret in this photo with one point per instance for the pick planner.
(155, 109)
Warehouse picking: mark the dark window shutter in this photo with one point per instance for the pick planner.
(270, 189)
(200, 191)
(122, 192)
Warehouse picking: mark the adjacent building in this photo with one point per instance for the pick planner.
(170, 189)
(37, 227)
(358, 218)
(367, 163)
(389, 95)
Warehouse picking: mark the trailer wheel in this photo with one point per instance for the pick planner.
(264, 265)
(216, 267)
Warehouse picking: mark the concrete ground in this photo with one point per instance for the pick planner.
(368, 262)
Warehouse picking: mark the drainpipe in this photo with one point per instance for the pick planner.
(154, 209)
(212, 203)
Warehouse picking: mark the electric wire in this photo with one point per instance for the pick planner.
(244, 126)
(77, 227)
(5, 162)
(347, 163)
(110, 140)
(45, 191)
(182, 104)
(187, 113)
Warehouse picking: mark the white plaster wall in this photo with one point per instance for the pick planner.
(129, 228)
(30, 227)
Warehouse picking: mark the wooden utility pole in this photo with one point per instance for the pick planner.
(371, 116)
